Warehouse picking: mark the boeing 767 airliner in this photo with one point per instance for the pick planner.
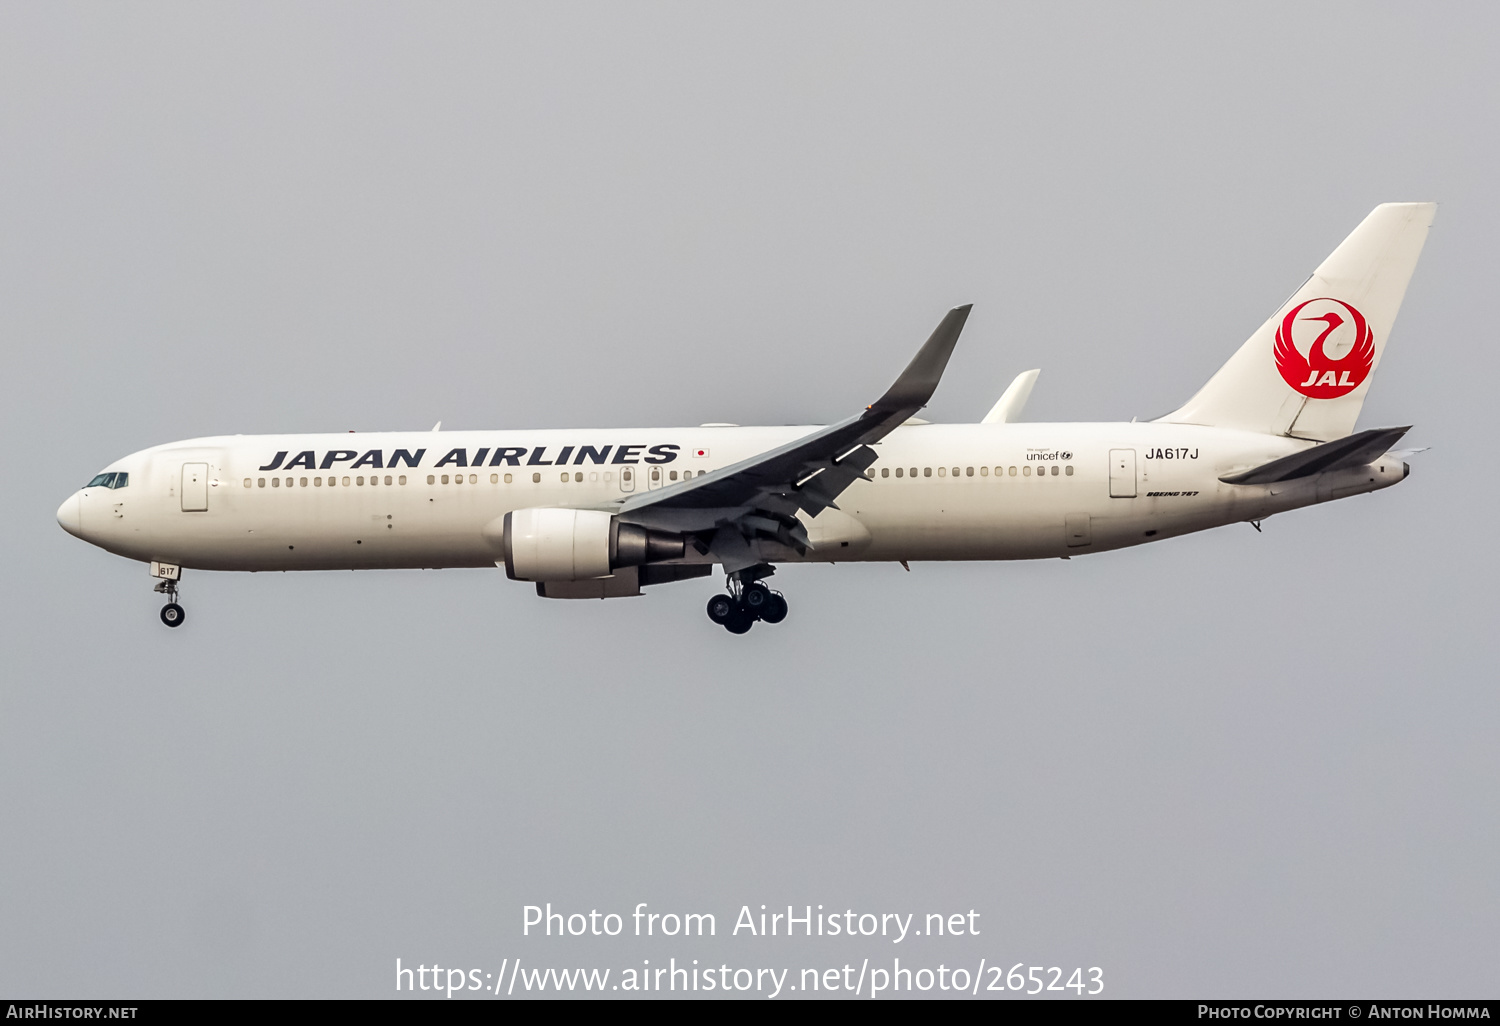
(605, 513)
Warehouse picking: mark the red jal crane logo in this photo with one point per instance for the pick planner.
(1339, 347)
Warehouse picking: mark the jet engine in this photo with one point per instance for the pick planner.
(551, 544)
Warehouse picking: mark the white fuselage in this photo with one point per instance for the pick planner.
(964, 491)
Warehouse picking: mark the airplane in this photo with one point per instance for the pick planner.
(605, 513)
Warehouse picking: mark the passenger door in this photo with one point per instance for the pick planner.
(627, 479)
(1122, 473)
(194, 487)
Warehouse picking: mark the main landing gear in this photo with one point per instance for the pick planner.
(172, 614)
(748, 600)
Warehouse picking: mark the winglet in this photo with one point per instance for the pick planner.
(916, 384)
(1014, 400)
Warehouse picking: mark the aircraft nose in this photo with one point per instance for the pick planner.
(70, 515)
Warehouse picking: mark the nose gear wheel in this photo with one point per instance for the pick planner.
(172, 614)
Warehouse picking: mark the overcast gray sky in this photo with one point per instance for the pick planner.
(1233, 764)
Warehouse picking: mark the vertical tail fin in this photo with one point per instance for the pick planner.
(1306, 371)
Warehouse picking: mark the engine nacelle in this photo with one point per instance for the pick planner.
(556, 544)
(550, 544)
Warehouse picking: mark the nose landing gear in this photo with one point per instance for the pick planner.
(748, 600)
(172, 614)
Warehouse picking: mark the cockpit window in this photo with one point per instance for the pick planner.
(116, 480)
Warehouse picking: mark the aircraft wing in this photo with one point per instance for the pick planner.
(1013, 401)
(1354, 450)
(764, 493)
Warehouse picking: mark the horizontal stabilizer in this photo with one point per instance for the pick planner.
(1405, 454)
(1013, 401)
(1355, 450)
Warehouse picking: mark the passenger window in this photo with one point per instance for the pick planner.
(984, 471)
(1069, 469)
(457, 479)
(401, 479)
(388, 479)
(593, 476)
(275, 482)
(955, 471)
(926, 471)
(247, 482)
(885, 471)
(317, 482)
(507, 479)
(913, 472)
(566, 477)
(536, 478)
(942, 471)
(304, 483)
(609, 476)
(494, 479)
(289, 482)
(672, 476)
(898, 471)
(1012, 471)
(260, 482)
(655, 474)
(578, 477)
(360, 480)
(1025, 471)
(430, 480)
(1054, 470)
(968, 472)
(332, 481)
